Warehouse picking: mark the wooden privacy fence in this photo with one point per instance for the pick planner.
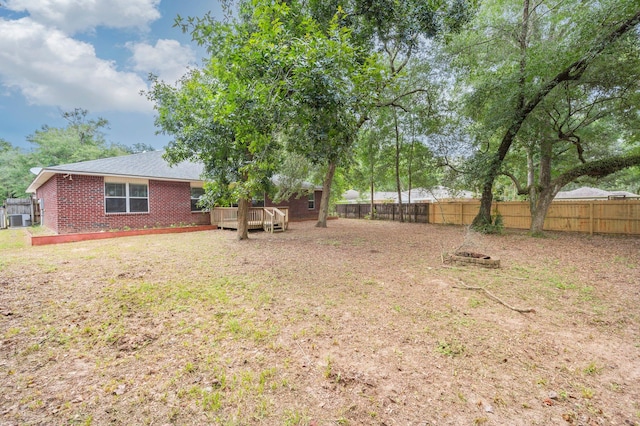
(385, 211)
(592, 217)
(27, 207)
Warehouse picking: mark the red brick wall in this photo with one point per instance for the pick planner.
(298, 207)
(79, 206)
(49, 193)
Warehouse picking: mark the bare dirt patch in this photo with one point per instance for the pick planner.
(360, 323)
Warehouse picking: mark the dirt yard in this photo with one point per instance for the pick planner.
(358, 324)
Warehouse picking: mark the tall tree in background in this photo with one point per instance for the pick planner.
(306, 81)
(411, 115)
(14, 171)
(518, 53)
(329, 89)
(304, 73)
(371, 169)
(397, 30)
(82, 139)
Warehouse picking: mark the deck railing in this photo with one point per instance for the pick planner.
(267, 218)
(275, 219)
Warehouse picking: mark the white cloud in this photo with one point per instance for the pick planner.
(168, 59)
(49, 68)
(71, 16)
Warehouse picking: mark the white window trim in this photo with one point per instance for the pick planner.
(127, 197)
(191, 199)
(311, 200)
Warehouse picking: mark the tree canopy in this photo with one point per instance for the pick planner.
(311, 80)
(291, 78)
(277, 80)
(81, 139)
(519, 53)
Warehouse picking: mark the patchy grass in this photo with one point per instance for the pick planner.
(12, 238)
(360, 323)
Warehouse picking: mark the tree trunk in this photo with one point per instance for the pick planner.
(531, 178)
(372, 214)
(545, 191)
(539, 213)
(243, 219)
(410, 177)
(550, 188)
(398, 149)
(326, 192)
(371, 186)
(483, 218)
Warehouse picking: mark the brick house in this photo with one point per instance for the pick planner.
(302, 208)
(132, 191)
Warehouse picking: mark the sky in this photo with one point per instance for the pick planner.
(58, 55)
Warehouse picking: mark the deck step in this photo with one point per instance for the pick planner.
(277, 227)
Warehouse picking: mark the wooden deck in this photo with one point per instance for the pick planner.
(270, 219)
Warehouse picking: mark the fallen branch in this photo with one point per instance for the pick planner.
(493, 297)
(442, 253)
(308, 360)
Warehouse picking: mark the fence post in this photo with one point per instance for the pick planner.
(591, 218)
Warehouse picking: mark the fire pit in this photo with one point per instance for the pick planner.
(471, 258)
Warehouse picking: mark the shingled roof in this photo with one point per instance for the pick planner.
(145, 165)
(589, 193)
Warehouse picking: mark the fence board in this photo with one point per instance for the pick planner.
(23, 206)
(589, 216)
(18, 206)
(418, 212)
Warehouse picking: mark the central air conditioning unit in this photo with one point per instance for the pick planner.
(15, 220)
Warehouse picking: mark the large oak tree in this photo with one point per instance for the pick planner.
(518, 53)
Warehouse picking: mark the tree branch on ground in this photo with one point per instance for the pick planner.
(493, 297)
